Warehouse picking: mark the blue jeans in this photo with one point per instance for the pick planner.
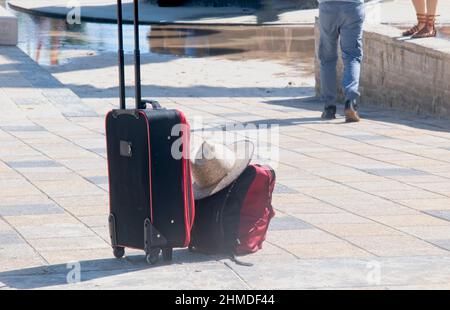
(342, 20)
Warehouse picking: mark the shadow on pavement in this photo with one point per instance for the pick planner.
(201, 91)
(60, 274)
(374, 113)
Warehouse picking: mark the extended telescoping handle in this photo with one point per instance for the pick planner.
(137, 59)
(121, 55)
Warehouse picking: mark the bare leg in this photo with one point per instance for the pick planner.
(421, 8)
(432, 7)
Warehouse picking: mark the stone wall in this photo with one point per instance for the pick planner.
(411, 75)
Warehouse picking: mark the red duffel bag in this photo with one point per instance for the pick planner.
(235, 220)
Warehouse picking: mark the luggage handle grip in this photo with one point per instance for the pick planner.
(155, 104)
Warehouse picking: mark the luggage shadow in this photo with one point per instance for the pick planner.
(79, 272)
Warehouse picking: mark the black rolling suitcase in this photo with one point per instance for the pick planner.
(151, 198)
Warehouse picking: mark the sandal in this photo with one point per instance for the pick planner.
(421, 20)
(429, 31)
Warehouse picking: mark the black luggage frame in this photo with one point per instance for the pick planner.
(154, 241)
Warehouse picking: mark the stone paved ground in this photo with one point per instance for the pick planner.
(358, 205)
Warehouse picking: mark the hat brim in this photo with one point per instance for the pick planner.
(244, 147)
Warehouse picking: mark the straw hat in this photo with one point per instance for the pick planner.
(215, 166)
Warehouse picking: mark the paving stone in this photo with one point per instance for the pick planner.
(67, 256)
(307, 208)
(98, 150)
(95, 220)
(312, 183)
(390, 246)
(4, 226)
(426, 204)
(55, 230)
(17, 263)
(69, 243)
(10, 238)
(368, 229)
(22, 128)
(79, 164)
(283, 189)
(442, 188)
(442, 214)
(88, 211)
(382, 186)
(409, 220)
(367, 137)
(327, 250)
(442, 243)
(98, 179)
(18, 221)
(427, 232)
(98, 201)
(282, 201)
(295, 237)
(69, 187)
(103, 233)
(27, 101)
(347, 273)
(17, 151)
(218, 277)
(231, 114)
(48, 175)
(338, 218)
(30, 209)
(390, 172)
(287, 223)
(411, 194)
(25, 200)
(33, 164)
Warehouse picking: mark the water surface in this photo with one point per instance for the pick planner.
(51, 41)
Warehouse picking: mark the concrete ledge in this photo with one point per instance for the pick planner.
(9, 28)
(411, 75)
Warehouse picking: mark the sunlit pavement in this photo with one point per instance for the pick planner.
(358, 205)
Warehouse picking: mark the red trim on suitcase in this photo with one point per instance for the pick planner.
(187, 181)
(149, 163)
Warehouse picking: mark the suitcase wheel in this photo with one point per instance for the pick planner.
(167, 254)
(153, 256)
(118, 251)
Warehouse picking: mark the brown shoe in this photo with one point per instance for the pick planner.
(421, 23)
(429, 31)
(351, 112)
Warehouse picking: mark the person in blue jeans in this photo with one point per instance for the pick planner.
(341, 20)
